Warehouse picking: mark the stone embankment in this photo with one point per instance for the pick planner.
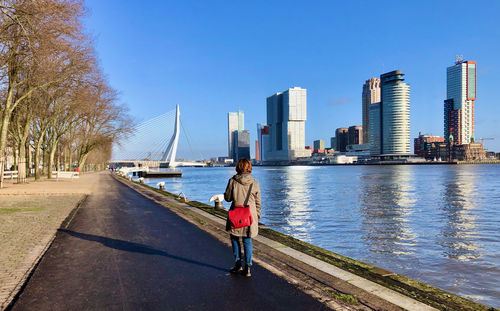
(330, 277)
(30, 215)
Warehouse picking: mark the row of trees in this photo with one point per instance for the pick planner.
(55, 101)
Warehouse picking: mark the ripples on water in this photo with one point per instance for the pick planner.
(437, 224)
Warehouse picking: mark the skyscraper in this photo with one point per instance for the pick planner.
(333, 143)
(370, 95)
(318, 145)
(342, 139)
(459, 103)
(286, 118)
(395, 112)
(355, 135)
(235, 122)
(375, 130)
(391, 117)
(263, 141)
(241, 145)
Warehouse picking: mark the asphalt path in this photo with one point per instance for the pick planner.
(125, 252)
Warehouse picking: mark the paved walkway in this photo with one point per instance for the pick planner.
(125, 252)
(30, 215)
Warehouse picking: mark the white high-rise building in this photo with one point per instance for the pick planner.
(235, 122)
(459, 103)
(286, 118)
(390, 120)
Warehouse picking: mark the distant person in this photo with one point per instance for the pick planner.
(236, 192)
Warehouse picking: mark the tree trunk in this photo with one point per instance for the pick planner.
(2, 163)
(70, 155)
(52, 153)
(21, 170)
(81, 160)
(4, 126)
(44, 160)
(29, 158)
(23, 143)
(58, 161)
(65, 158)
(15, 159)
(38, 148)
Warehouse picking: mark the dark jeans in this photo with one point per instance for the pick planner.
(247, 244)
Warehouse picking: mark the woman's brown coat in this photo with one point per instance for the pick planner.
(236, 192)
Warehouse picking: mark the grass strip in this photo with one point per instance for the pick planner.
(18, 209)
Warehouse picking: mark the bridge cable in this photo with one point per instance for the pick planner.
(160, 144)
(186, 133)
(143, 135)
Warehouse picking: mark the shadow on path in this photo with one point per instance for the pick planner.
(135, 248)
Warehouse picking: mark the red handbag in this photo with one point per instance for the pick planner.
(240, 216)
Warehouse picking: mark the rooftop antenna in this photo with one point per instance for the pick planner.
(459, 59)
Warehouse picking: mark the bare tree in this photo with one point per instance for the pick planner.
(102, 120)
(35, 36)
(20, 131)
(52, 89)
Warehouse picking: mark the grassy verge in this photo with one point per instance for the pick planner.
(17, 209)
(350, 299)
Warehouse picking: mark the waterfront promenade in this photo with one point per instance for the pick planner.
(123, 251)
(128, 247)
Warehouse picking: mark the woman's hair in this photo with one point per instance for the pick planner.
(243, 166)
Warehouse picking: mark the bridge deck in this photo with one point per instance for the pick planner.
(160, 174)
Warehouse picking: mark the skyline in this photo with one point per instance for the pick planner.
(220, 58)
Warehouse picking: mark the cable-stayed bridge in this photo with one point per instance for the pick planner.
(153, 143)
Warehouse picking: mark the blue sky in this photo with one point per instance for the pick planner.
(212, 57)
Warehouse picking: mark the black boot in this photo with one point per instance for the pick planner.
(237, 267)
(246, 271)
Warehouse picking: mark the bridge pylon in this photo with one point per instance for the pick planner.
(171, 151)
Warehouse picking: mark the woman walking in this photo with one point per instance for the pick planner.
(243, 187)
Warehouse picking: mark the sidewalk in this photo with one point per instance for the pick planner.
(30, 215)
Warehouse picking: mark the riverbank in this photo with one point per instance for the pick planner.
(381, 163)
(298, 260)
(30, 215)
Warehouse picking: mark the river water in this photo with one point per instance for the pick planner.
(438, 224)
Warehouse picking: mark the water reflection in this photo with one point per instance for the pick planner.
(387, 200)
(292, 211)
(173, 185)
(459, 234)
